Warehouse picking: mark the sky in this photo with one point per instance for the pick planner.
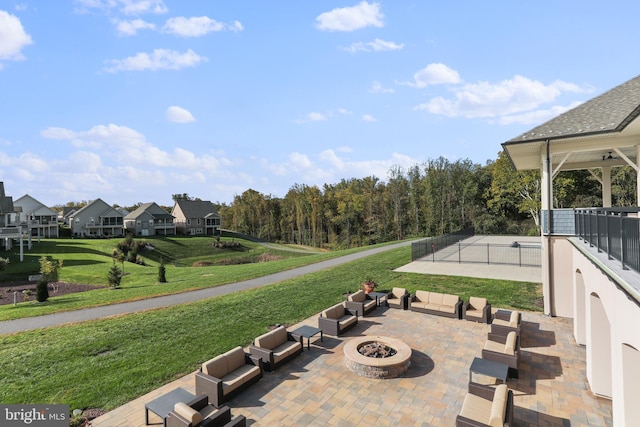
(132, 101)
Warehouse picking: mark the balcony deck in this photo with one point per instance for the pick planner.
(317, 389)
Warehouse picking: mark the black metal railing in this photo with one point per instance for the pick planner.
(516, 253)
(614, 231)
(431, 245)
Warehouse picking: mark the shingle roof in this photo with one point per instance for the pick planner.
(6, 203)
(153, 209)
(196, 208)
(610, 112)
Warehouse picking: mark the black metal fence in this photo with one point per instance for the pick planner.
(612, 231)
(431, 245)
(520, 254)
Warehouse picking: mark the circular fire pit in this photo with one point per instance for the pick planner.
(377, 357)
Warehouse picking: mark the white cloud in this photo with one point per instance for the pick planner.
(179, 115)
(377, 45)
(368, 118)
(130, 28)
(508, 97)
(127, 7)
(376, 87)
(537, 116)
(197, 26)
(434, 74)
(13, 38)
(352, 18)
(159, 59)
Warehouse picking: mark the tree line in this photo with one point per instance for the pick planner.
(429, 199)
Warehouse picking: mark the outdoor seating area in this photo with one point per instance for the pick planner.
(275, 348)
(436, 303)
(315, 387)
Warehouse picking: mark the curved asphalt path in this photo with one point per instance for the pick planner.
(56, 319)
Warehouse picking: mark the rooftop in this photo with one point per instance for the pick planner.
(317, 389)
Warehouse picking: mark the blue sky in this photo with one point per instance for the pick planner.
(135, 100)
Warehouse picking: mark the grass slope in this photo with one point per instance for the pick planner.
(108, 362)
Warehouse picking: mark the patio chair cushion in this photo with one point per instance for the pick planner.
(216, 367)
(511, 323)
(235, 359)
(486, 412)
(335, 312)
(398, 292)
(509, 347)
(477, 304)
(359, 296)
(187, 412)
(423, 296)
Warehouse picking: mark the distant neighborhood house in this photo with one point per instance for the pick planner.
(36, 217)
(150, 220)
(196, 217)
(97, 219)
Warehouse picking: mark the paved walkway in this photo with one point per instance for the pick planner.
(30, 323)
(316, 389)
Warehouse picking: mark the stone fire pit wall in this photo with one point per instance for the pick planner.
(379, 368)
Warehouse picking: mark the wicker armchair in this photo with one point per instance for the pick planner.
(477, 310)
(486, 406)
(504, 349)
(199, 413)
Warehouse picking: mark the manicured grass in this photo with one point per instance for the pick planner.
(109, 362)
(88, 261)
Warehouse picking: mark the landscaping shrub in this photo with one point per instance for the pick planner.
(162, 273)
(114, 277)
(42, 291)
(3, 263)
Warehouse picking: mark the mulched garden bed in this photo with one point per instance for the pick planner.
(56, 289)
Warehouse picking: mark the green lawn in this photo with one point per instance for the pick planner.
(87, 261)
(109, 362)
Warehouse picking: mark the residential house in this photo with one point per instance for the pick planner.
(97, 219)
(150, 220)
(591, 256)
(39, 219)
(10, 230)
(196, 217)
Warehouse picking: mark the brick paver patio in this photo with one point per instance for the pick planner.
(316, 389)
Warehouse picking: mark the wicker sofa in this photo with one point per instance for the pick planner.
(436, 303)
(275, 348)
(486, 406)
(337, 319)
(398, 298)
(361, 303)
(477, 310)
(199, 413)
(504, 349)
(227, 374)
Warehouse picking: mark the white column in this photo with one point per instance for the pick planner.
(638, 175)
(606, 186)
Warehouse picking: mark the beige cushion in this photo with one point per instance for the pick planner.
(231, 382)
(510, 343)
(435, 298)
(266, 341)
(398, 292)
(187, 412)
(358, 296)
(329, 313)
(216, 367)
(513, 319)
(498, 406)
(477, 303)
(279, 336)
(476, 408)
(235, 359)
(494, 346)
(474, 313)
(338, 311)
(422, 296)
(447, 308)
(346, 321)
(450, 300)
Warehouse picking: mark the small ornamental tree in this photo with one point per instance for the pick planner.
(114, 277)
(3, 263)
(50, 269)
(162, 272)
(42, 290)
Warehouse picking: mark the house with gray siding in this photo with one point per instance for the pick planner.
(150, 220)
(196, 217)
(97, 219)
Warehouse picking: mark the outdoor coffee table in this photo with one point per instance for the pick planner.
(379, 297)
(307, 332)
(490, 368)
(164, 404)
